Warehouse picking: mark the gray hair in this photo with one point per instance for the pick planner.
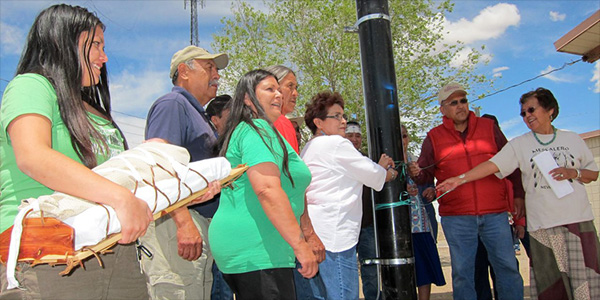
(189, 63)
(279, 71)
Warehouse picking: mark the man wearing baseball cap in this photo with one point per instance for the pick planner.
(181, 262)
(475, 209)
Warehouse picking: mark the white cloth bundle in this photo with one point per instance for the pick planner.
(157, 173)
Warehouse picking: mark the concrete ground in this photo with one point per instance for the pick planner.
(445, 292)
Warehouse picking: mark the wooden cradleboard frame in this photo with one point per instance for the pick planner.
(64, 254)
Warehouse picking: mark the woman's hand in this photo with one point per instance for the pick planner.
(213, 189)
(390, 175)
(307, 260)
(134, 216)
(449, 184)
(386, 162)
(429, 194)
(562, 173)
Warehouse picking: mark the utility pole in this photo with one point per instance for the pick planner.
(392, 215)
(194, 40)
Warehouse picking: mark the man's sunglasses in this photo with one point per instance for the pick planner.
(529, 110)
(455, 102)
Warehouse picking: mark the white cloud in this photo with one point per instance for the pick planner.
(135, 93)
(553, 76)
(596, 78)
(511, 123)
(12, 40)
(556, 16)
(462, 56)
(498, 71)
(491, 23)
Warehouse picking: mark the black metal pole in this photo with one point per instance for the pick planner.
(392, 220)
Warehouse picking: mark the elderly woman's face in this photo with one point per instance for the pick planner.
(269, 97)
(535, 116)
(334, 123)
(96, 57)
(289, 90)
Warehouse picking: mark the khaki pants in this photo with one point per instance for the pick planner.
(168, 275)
(119, 279)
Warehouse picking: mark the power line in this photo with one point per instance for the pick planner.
(528, 80)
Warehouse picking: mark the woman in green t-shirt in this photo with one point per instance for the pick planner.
(255, 235)
(56, 125)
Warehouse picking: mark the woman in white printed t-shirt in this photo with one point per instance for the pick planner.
(339, 172)
(565, 253)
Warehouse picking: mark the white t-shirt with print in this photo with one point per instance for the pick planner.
(544, 209)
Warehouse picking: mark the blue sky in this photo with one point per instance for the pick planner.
(141, 37)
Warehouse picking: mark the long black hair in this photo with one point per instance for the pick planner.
(240, 112)
(52, 51)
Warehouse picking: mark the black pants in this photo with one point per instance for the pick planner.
(269, 284)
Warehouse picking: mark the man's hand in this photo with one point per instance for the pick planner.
(520, 231)
(317, 246)
(413, 169)
(189, 242)
(214, 188)
(519, 204)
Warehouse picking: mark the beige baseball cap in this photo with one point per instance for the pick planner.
(189, 52)
(448, 89)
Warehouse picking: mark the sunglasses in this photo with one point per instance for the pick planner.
(337, 117)
(529, 110)
(455, 102)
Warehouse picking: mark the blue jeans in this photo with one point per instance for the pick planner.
(220, 289)
(462, 234)
(368, 273)
(339, 272)
(308, 289)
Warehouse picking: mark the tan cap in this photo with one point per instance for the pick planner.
(297, 120)
(448, 89)
(189, 52)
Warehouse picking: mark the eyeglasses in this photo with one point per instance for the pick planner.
(337, 117)
(455, 102)
(529, 110)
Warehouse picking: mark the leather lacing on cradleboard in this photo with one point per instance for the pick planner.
(72, 262)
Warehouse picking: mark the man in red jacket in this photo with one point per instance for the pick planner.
(476, 209)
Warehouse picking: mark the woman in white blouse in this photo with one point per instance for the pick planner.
(338, 172)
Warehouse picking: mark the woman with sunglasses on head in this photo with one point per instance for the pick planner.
(255, 234)
(339, 172)
(563, 240)
(56, 125)
(428, 268)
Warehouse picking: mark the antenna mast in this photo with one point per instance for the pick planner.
(193, 19)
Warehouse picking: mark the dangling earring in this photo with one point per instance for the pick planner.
(323, 132)
(550, 118)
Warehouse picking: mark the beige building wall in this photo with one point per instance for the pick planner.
(592, 139)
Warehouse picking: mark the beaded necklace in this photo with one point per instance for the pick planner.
(548, 143)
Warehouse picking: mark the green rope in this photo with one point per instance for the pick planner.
(407, 201)
(401, 167)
